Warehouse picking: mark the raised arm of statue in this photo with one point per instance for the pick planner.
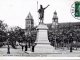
(46, 7)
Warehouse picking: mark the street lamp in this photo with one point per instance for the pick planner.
(55, 40)
(67, 41)
(56, 26)
(55, 37)
(71, 39)
(8, 48)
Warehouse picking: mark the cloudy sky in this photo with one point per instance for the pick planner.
(14, 12)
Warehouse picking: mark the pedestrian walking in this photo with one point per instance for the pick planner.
(71, 48)
(26, 47)
(33, 45)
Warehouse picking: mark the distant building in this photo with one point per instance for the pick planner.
(67, 25)
(60, 26)
(54, 20)
(29, 22)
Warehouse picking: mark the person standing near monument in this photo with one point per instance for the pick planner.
(41, 13)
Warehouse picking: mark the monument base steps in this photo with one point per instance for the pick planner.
(43, 48)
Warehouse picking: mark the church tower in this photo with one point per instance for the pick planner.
(54, 20)
(29, 22)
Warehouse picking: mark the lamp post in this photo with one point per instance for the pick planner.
(67, 41)
(8, 48)
(55, 40)
(61, 38)
(56, 24)
(71, 39)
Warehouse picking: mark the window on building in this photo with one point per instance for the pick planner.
(28, 22)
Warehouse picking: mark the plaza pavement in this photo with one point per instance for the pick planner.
(57, 53)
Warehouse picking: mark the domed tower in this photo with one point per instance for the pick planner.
(54, 20)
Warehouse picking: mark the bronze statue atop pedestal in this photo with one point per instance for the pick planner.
(41, 13)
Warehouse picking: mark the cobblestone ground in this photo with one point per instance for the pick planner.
(57, 53)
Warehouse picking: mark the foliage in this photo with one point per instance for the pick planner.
(64, 35)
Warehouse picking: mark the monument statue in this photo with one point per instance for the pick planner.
(42, 42)
(41, 13)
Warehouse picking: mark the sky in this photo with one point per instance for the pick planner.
(14, 12)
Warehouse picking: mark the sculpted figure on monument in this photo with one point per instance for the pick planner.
(41, 13)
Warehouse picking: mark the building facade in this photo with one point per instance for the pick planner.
(29, 22)
(54, 20)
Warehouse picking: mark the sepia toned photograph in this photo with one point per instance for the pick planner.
(40, 28)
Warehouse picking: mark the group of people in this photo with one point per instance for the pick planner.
(26, 47)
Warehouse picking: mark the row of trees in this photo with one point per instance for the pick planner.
(16, 34)
(3, 32)
(64, 36)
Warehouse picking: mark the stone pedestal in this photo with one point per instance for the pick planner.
(43, 44)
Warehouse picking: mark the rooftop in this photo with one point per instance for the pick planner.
(29, 16)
